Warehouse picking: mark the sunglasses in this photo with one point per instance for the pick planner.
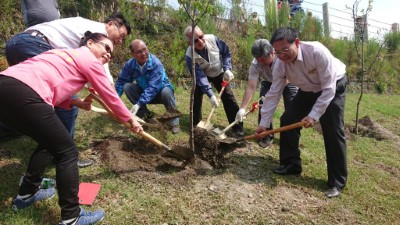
(197, 39)
(106, 47)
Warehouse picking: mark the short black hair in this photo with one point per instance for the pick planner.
(96, 37)
(286, 33)
(118, 18)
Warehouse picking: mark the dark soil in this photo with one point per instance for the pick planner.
(211, 148)
(169, 114)
(366, 128)
(123, 155)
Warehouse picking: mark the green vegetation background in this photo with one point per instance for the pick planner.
(162, 27)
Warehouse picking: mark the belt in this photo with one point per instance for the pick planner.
(36, 33)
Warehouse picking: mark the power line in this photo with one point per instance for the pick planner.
(342, 25)
(341, 32)
(341, 11)
(380, 22)
(311, 3)
(344, 12)
(314, 10)
(342, 18)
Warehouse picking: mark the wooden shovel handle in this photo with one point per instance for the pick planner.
(277, 130)
(93, 96)
(143, 134)
(213, 108)
(253, 107)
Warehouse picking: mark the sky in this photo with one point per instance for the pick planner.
(381, 17)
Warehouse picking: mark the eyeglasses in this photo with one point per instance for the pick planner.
(106, 47)
(143, 50)
(285, 50)
(197, 39)
(121, 34)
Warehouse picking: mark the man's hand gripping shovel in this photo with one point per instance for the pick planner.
(221, 133)
(277, 130)
(207, 125)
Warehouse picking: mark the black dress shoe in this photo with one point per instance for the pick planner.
(84, 163)
(333, 192)
(288, 169)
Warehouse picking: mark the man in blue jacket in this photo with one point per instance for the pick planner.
(152, 85)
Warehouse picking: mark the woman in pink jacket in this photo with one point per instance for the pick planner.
(29, 91)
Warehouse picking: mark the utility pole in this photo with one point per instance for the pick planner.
(325, 14)
(395, 27)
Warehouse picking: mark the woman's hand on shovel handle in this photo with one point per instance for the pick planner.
(260, 130)
(82, 103)
(309, 122)
(135, 126)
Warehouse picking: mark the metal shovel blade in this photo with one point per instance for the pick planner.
(205, 125)
(179, 152)
(220, 133)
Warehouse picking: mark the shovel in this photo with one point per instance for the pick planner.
(128, 125)
(176, 152)
(105, 112)
(221, 133)
(268, 132)
(207, 125)
(141, 121)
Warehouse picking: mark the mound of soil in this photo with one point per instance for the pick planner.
(211, 148)
(369, 128)
(169, 114)
(124, 155)
(366, 128)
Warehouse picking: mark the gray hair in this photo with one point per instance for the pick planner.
(188, 31)
(261, 48)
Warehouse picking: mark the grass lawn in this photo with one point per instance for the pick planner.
(245, 191)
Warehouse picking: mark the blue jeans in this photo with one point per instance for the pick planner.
(24, 46)
(68, 118)
(165, 97)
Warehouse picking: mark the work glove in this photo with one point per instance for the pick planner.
(228, 75)
(214, 101)
(134, 109)
(240, 114)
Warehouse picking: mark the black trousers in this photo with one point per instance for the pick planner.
(25, 111)
(228, 100)
(332, 123)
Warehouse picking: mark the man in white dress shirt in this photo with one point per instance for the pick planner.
(321, 97)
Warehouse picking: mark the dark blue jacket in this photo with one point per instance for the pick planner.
(152, 80)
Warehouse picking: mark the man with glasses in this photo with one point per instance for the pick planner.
(322, 81)
(152, 84)
(261, 68)
(213, 65)
(61, 34)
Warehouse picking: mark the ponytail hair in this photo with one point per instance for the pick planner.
(96, 37)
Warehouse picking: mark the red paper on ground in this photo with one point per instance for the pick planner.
(87, 193)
